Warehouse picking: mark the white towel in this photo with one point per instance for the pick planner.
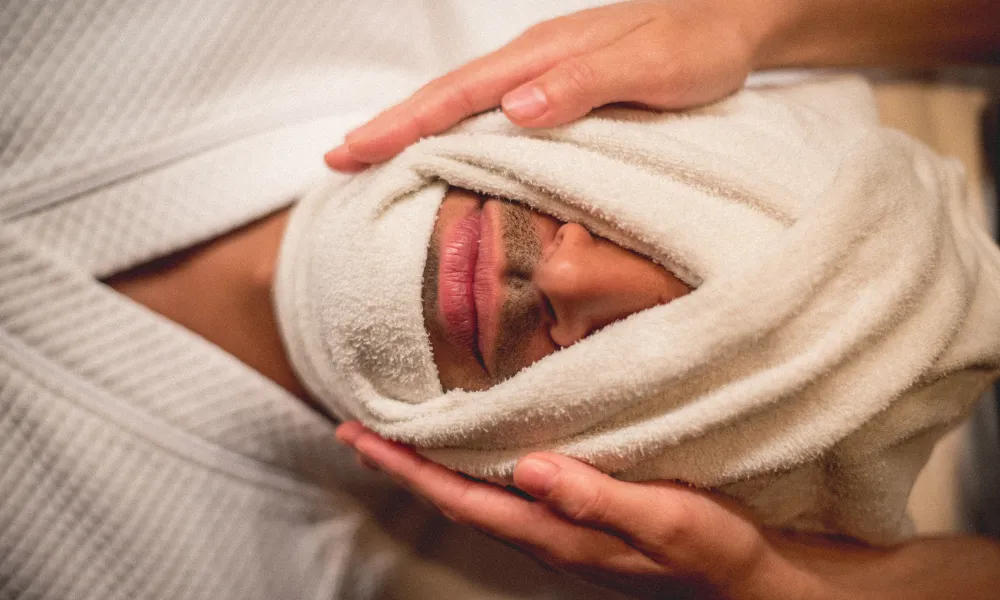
(846, 310)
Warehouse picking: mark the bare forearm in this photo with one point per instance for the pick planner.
(675, 54)
(904, 33)
(925, 569)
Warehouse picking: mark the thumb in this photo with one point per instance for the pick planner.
(574, 87)
(679, 527)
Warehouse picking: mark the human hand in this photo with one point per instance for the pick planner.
(665, 540)
(646, 539)
(658, 54)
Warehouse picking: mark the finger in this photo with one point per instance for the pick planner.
(340, 159)
(498, 512)
(575, 86)
(457, 496)
(348, 432)
(480, 84)
(474, 88)
(446, 489)
(671, 523)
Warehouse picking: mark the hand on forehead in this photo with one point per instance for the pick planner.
(506, 285)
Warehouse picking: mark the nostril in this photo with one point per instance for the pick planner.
(558, 240)
(548, 311)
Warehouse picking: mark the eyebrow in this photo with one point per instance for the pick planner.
(521, 312)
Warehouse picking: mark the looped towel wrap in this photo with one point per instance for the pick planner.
(846, 310)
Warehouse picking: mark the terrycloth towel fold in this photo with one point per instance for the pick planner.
(846, 310)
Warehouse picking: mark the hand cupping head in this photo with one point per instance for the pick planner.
(826, 343)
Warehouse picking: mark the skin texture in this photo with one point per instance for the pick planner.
(665, 540)
(659, 539)
(650, 539)
(571, 64)
(221, 290)
(555, 282)
(674, 54)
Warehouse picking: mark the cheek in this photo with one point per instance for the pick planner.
(539, 346)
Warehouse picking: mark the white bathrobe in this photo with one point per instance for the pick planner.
(136, 459)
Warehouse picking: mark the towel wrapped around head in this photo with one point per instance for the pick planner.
(846, 309)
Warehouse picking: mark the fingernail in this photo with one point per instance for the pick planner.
(527, 102)
(535, 476)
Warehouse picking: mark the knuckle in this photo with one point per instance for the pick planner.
(442, 105)
(677, 80)
(576, 77)
(675, 524)
(593, 507)
(541, 30)
(455, 516)
(534, 31)
(455, 509)
(420, 120)
(423, 120)
(432, 88)
(461, 98)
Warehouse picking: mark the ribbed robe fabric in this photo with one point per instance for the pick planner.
(139, 461)
(136, 459)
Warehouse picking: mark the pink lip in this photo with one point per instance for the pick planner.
(468, 283)
(456, 279)
(487, 287)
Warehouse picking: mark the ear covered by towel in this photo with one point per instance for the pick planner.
(846, 310)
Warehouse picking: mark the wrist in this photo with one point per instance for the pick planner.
(781, 574)
(921, 569)
(770, 26)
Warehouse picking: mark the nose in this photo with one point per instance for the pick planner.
(591, 282)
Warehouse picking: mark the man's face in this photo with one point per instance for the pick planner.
(505, 285)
